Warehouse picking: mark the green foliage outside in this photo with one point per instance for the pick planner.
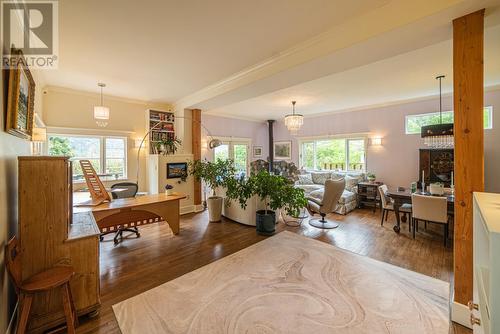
(414, 123)
(60, 147)
(332, 154)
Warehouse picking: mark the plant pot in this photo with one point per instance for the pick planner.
(265, 222)
(214, 204)
(169, 192)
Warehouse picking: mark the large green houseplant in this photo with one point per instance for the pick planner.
(214, 175)
(275, 191)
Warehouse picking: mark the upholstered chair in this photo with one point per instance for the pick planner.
(430, 209)
(388, 205)
(331, 196)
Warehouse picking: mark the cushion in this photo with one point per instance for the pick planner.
(309, 187)
(305, 179)
(317, 194)
(321, 177)
(337, 176)
(347, 196)
(351, 182)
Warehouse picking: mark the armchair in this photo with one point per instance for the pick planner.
(332, 193)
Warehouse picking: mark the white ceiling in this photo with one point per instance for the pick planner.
(160, 51)
(401, 78)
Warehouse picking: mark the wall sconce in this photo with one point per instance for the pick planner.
(377, 141)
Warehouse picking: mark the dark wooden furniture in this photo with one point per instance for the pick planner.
(437, 165)
(51, 235)
(368, 194)
(47, 280)
(137, 211)
(402, 197)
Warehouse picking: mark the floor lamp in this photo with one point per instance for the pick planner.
(213, 143)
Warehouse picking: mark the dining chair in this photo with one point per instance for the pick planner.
(388, 205)
(432, 209)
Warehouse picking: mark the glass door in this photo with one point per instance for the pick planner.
(240, 158)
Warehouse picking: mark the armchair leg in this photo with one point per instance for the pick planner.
(323, 223)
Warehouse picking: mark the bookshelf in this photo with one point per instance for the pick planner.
(164, 131)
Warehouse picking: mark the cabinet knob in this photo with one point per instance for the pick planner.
(474, 320)
(472, 306)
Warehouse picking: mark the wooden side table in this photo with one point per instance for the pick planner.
(368, 194)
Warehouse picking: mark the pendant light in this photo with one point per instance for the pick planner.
(101, 113)
(438, 135)
(293, 121)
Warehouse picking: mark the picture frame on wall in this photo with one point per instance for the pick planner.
(20, 98)
(283, 150)
(257, 151)
(177, 170)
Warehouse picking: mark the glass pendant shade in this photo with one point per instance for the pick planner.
(101, 113)
(438, 135)
(294, 122)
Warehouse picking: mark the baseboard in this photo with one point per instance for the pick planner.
(199, 208)
(191, 208)
(460, 314)
(11, 328)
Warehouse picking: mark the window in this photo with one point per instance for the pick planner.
(236, 151)
(108, 155)
(415, 122)
(334, 154)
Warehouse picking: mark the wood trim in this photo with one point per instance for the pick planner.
(196, 146)
(468, 50)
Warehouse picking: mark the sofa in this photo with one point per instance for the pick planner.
(313, 184)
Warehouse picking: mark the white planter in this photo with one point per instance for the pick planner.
(214, 205)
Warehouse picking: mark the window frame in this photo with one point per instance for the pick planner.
(489, 108)
(102, 151)
(230, 141)
(347, 138)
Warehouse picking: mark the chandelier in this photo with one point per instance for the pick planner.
(438, 135)
(294, 121)
(101, 113)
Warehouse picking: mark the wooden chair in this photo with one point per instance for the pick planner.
(52, 278)
(430, 209)
(96, 188)
(388, 205)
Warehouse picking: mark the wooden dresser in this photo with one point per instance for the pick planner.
(50, 234)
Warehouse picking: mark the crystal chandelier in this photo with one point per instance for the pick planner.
(438, 135)
(101, 113)
(294, 121)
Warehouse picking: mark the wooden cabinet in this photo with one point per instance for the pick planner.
(485, 308)
(368, 194)
(437, 165)
(50, 234)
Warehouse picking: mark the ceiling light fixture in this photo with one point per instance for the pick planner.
(438, 135)
(101, 113)
(293, 121)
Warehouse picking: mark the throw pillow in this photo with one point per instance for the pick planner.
(321, 177)
(305, 179)
(317, 194)
(351, 182)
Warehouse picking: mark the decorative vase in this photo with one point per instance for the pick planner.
(169, 192)
(214, 204)
(265, 222)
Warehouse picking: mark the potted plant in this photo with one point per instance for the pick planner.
(214, 174)
(371, 177)
(168, 146)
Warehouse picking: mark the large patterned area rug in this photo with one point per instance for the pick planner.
(291, 284)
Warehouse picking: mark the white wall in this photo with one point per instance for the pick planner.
(71, 111)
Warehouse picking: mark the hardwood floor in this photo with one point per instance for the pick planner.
(135, 266)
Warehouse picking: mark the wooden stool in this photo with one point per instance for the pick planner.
(52, 278)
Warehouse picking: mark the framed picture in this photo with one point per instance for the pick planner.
(257, 151)
(20, 99)
(176, 170)
(283, 150)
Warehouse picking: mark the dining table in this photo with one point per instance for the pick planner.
(401, 197)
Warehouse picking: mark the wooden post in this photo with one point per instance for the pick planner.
(196, 146)
(468, 91)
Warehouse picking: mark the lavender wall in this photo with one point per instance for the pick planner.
(230, 127)
(396, 161)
